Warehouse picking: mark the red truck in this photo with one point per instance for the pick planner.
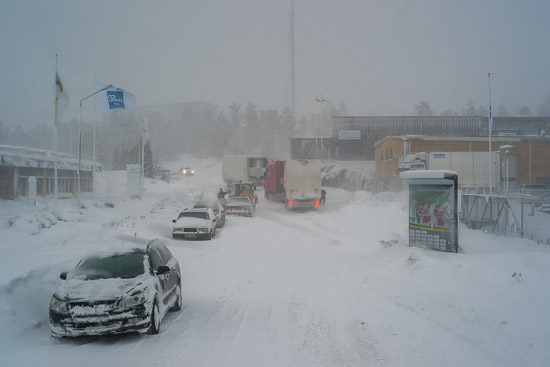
(273, 186)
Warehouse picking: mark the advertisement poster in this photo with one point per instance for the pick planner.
(432, 222)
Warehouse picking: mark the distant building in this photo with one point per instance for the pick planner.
(527, 161)
(354, 137)
(17, 164)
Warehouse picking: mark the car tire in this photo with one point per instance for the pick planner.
(155, 320)
(209, 236)
(179, 299)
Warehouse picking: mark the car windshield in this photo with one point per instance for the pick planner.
(239, 201)
(124, 266)
(200, 215)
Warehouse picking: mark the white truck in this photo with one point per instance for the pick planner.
(302, 183)
(242, 168)
(472, 167)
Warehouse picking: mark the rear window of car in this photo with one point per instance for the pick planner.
(212, 206)
(124, 266)
(239, 201)
(200, 215)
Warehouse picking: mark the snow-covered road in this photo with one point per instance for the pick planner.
(338, 287)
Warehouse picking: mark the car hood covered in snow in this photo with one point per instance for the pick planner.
(191, 222)
(100, 289)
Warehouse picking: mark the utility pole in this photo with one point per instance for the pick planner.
(292, 80)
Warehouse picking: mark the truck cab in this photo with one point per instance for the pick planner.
(243, 189)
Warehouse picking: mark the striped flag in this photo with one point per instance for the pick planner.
(61, 97)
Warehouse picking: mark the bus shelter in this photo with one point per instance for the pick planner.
(433, 209)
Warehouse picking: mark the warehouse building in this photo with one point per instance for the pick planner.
(19, 164)
(354, 137)
(527, 161)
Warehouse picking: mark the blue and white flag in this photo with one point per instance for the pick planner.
(114, 98)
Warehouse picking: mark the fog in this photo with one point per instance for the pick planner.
(375, 57)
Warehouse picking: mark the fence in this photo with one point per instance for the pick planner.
(524, 217)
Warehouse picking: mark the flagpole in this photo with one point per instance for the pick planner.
(94, 142)
(142, 158)
(80, 138)
(490, 133)
(55, 147)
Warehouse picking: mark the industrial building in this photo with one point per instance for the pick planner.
(527, 161)
(18, 164)
(354, 137)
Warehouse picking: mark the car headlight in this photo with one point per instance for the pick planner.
(132, 300)
(203, 229)
(59, 305)
(177, 230)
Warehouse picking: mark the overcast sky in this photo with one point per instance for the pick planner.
(376, 56)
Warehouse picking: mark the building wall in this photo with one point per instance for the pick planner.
(376, 128)
(388, 155)
(540, 153)
(6, 183)
(533, 156)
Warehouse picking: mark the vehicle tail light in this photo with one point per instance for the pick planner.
(290, 203)
(228, 209)
(246, 210)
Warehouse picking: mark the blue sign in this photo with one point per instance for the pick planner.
(115, 99)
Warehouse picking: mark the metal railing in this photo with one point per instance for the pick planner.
(511, 216)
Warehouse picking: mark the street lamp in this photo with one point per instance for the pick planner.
(80, 137)
(320, 100)
(506, 149)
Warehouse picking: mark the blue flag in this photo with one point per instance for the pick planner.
(114, 98)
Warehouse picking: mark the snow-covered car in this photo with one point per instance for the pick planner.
(240, 205)
(197, 223)
(117, 292)
(187, 171)
(217, 208)
(539, 190)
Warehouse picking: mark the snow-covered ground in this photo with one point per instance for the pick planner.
(338, 287)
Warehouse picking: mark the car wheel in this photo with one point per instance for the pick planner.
(209, 236)
(155, 320)
(179, 301)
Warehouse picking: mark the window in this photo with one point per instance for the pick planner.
(156, 259)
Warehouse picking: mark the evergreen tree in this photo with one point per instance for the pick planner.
(423, 109)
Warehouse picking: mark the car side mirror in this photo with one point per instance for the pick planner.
(173, 221)
(63, 275)
(163, 269)
(213, 220)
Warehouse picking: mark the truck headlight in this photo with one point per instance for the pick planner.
(132, 300)
(58, 305)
